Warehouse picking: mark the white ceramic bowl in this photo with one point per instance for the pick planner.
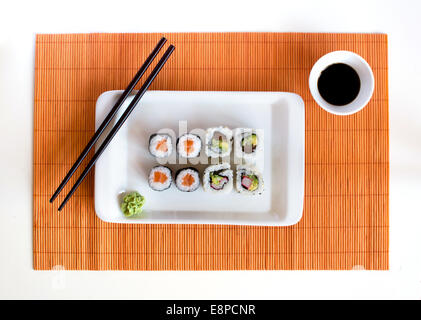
(359, 65)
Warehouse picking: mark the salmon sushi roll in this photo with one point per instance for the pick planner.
(160, 178)
(160, 145)
(187, 180)
(189, 145)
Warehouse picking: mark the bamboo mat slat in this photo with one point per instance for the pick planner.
(345, 223)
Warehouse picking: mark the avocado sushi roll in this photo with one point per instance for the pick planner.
(218, 178)
(218, 142)
(160, 178)
(187, 180)
(189, 145)
(248, 143)
(249, 180)
(160, 145)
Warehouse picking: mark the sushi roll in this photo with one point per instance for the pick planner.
(218, 178)
(160, 145)
(218, 142)
(160, 178)
(249, 180)
(248, 143)
(187, 179)
(189, 145)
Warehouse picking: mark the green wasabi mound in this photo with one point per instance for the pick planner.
(132, 204)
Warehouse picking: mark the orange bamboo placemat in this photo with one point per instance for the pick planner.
(346, 209)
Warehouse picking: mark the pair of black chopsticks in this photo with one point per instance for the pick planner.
(119, 123)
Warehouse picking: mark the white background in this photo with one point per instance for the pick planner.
(19, 21)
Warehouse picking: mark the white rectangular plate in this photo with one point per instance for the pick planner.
(125, 164)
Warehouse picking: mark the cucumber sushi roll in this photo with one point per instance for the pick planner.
(248, 144)
(187, 179)
(160, 145)
(218, 178)
(249, 180)
(160, 178)
(189, 145)
(218, 142)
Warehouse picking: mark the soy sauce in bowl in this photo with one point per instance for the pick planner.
(339, 84)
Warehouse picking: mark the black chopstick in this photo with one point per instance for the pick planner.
(110, 116)
(120, 122)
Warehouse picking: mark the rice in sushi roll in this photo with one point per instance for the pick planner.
(218, 142)
(160, 178)
(189, 145)
(249, 180)
(218, 178)
(187, 179)
(160, 145)
(248, 143)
